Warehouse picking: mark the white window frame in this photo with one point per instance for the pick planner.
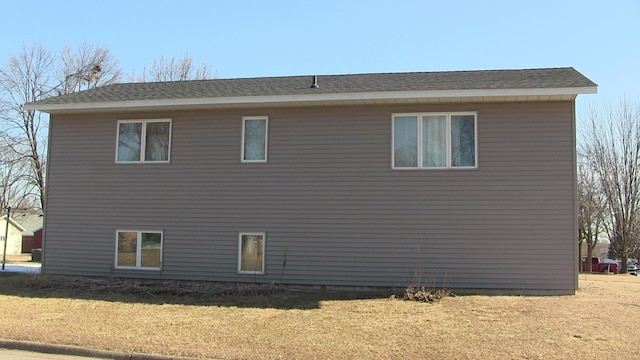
(139, 249)
(264, 245)
(448, 159)
(143, 140)
(266, 138)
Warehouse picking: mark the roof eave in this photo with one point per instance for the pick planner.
(319, 99)
(15, 224)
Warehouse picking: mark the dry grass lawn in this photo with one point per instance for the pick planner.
(601, 321)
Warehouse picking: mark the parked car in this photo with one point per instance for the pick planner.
(598, 265)
(632, 268)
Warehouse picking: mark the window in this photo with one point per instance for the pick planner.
(139, 249)
(143, 141)
(254, 139)
(251, 253)
(434, 140)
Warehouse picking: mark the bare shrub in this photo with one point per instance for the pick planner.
(422, 294)
(152, 288)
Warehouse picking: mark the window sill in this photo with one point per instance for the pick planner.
(457, 168)
(120, 268)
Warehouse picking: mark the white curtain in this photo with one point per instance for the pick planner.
(434, 141)
(254, 139)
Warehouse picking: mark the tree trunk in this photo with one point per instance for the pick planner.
(580, 255)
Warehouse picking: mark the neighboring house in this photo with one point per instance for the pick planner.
(14, 234)
(462, 179)
(36, 241)
(32, 235)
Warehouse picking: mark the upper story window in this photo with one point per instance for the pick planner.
(254, 138)
(143, 141)
(434, 140)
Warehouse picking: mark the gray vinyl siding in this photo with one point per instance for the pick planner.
(327, 198)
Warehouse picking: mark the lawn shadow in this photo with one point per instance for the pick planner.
(196, 293)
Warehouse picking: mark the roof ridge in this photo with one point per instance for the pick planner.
(341, 75)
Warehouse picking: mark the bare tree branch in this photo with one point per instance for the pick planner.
(175, 70)
(86, 67)
(612, 152)
(591, 212)
(27, 78)
(35, 74)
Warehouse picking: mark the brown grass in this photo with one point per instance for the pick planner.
(600, 321)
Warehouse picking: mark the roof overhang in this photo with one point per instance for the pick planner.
(15, 224)
(329, 99)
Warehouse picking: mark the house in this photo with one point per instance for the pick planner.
(30, 243)
(24, 232)
(13, 231)
(463, 179)
(32, 234)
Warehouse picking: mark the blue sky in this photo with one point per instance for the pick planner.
(242, 38)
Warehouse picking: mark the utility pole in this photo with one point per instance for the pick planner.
(6, 237)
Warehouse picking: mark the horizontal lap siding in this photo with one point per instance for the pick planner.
(333, 209)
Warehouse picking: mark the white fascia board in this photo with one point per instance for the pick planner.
(310, 98)
(15, 223)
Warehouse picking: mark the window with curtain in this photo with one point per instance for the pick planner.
(434, 140)
(251, 253)
(254, 139)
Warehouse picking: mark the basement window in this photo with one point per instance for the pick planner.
(251, 253)
(138, 249)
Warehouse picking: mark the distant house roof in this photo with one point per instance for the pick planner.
(484, 85)
(28, 221)
(13, 222)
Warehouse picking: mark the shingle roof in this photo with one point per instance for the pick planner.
(547, 78)
(30, 222)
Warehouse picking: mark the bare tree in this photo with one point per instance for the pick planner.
(35, 74)
(591, 214)
(612, 150)
(86, 67)
(15, 189)
(175, 70)
(26, 78)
